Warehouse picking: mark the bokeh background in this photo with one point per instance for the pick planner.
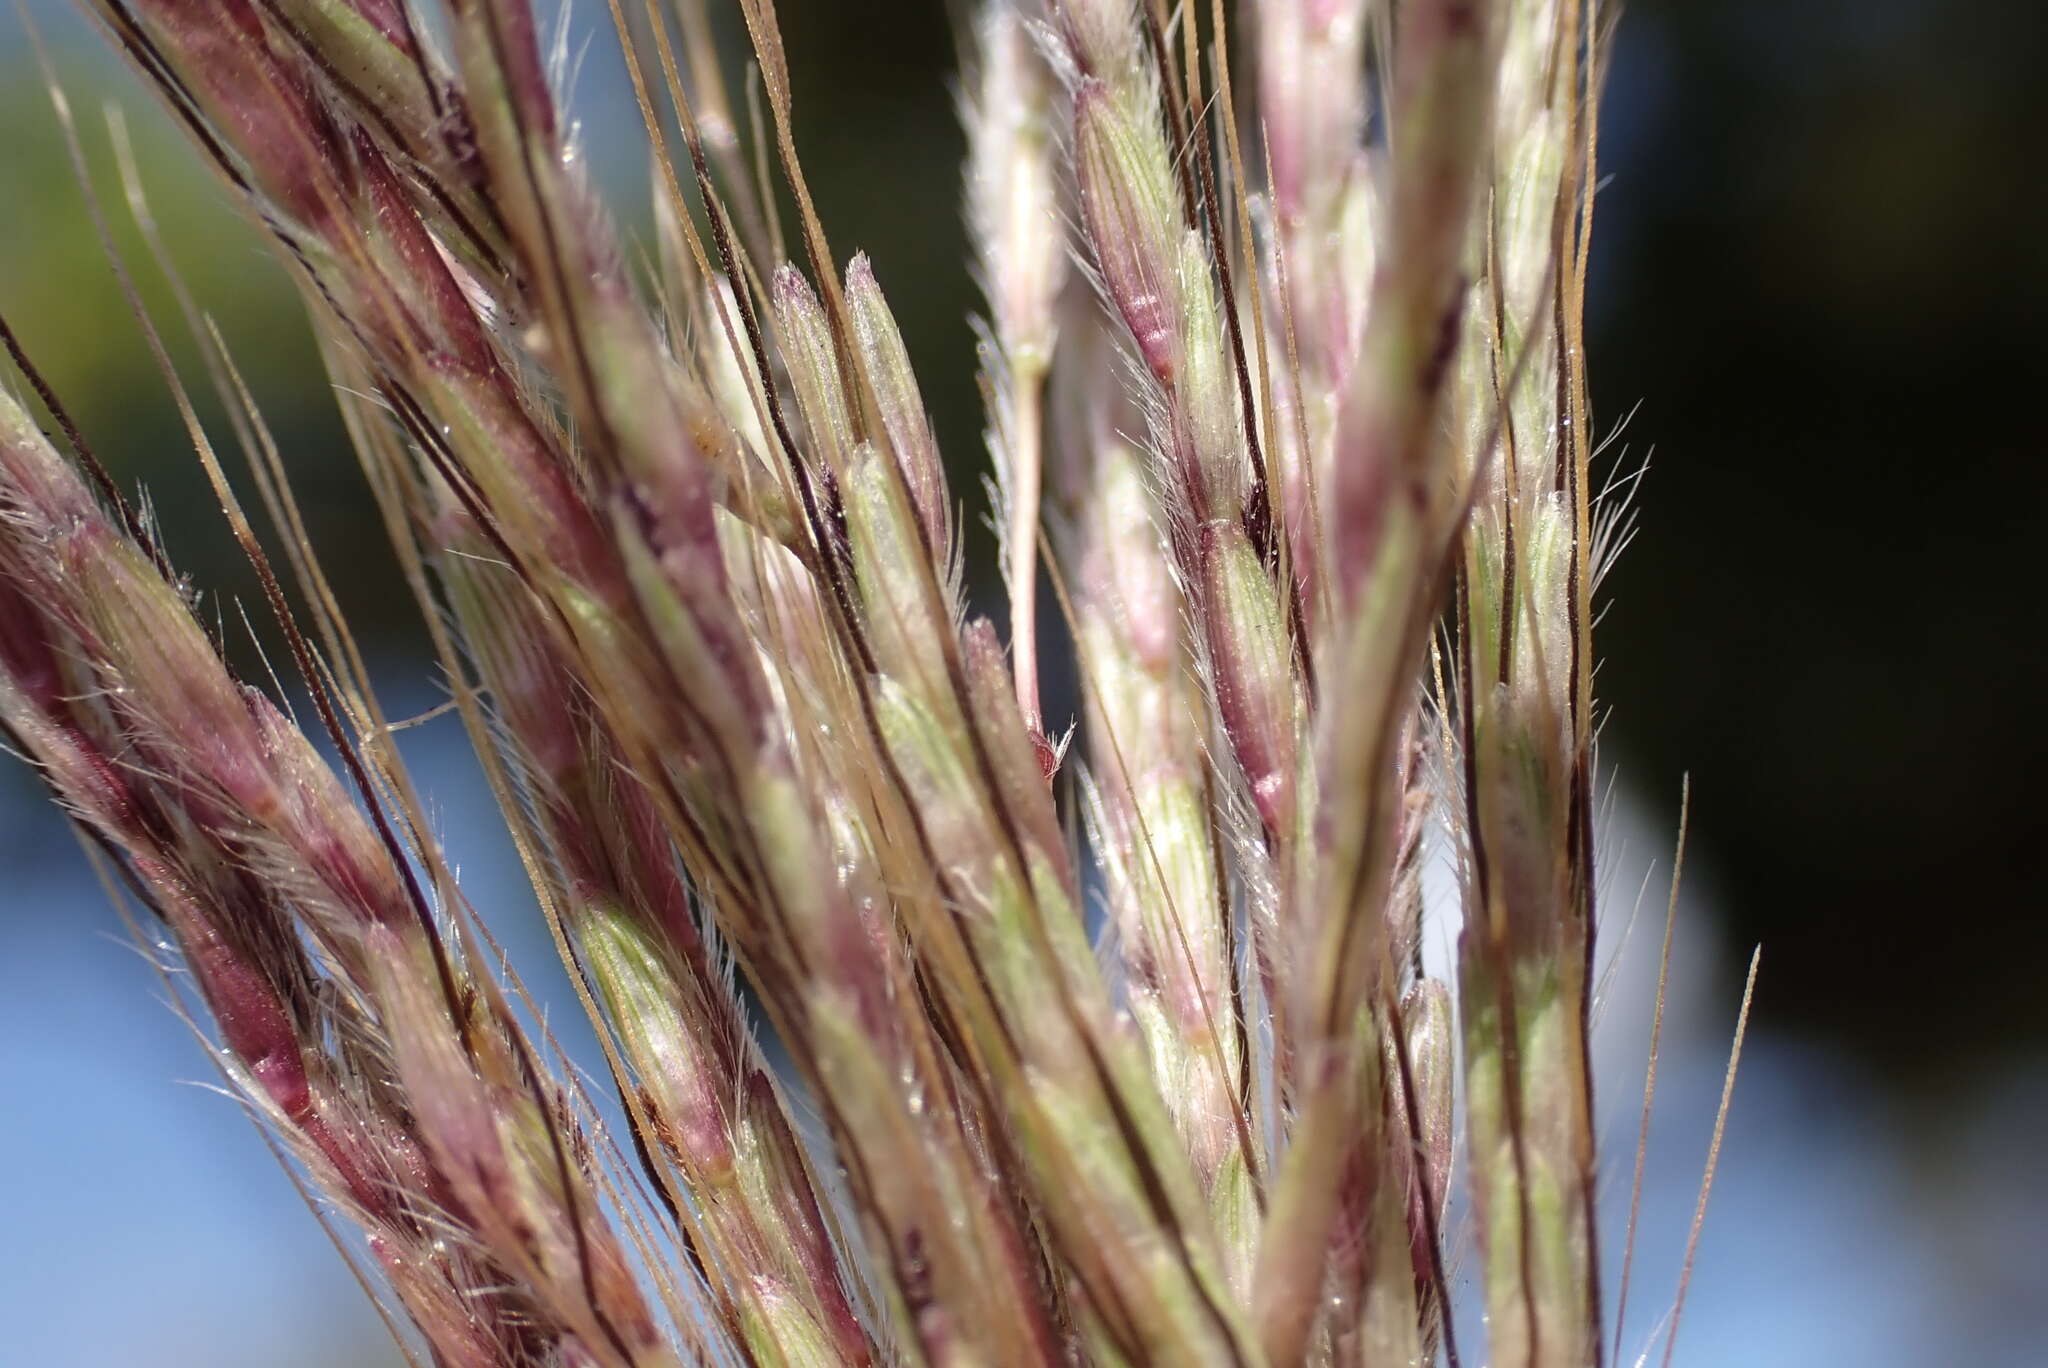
(1818, 301)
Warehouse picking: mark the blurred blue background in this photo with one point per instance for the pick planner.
(1818, 270)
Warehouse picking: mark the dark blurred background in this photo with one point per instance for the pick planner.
(1818, 299)
(1823, 277)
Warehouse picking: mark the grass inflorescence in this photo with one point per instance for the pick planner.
(1110, 1038)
